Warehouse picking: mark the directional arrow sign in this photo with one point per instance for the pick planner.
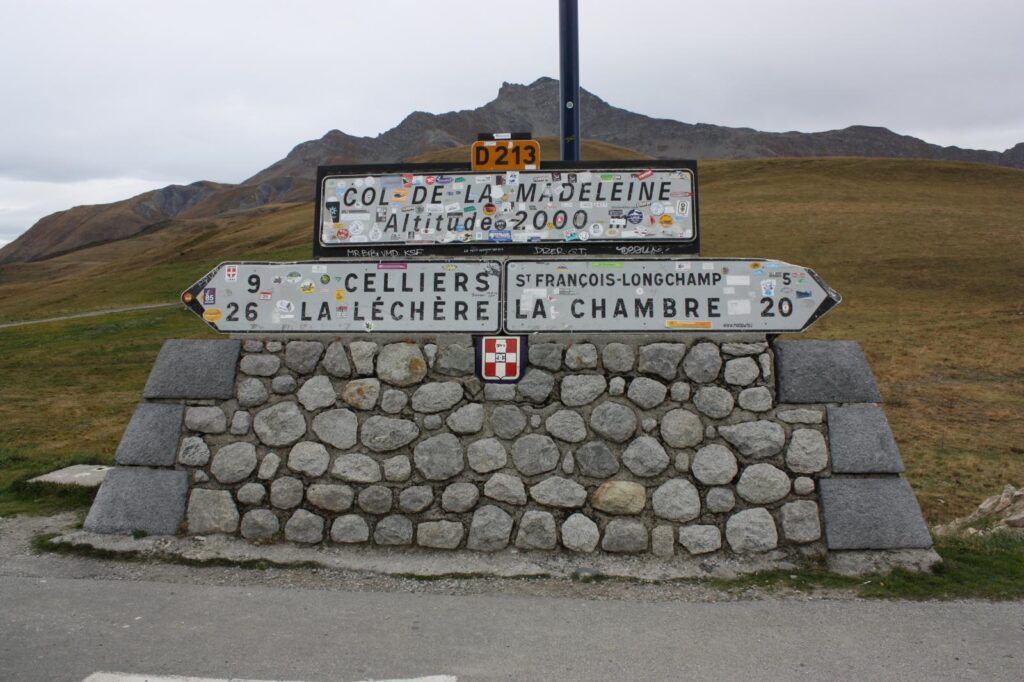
(718, 295)
(450, 296)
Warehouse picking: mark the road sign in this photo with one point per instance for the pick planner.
(619, 208)
(505, 155)
(426, 296)
(707, 295)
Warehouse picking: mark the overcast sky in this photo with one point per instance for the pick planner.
(103, 100)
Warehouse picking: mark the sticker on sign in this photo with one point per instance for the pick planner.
(708, 295)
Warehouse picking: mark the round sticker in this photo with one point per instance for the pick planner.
(490, 209)
(285, 306)
(596, 229)
(429, 180)
(635, 216)
(666, 220)
(307, 287)
(212, 315)
(376, 234)
(657, 208)
(560, 219)
(584, 236)
(342, 233)
(356, 227)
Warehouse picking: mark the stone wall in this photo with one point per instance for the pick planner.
(623, 447)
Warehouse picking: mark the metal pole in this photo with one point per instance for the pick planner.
(569, 78)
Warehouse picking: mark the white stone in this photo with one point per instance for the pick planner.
(807, 452)
(676, 500)
(762, 484)
(714, 465)
(751, 530)
(700, 539)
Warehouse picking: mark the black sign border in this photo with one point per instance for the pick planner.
(406, 251)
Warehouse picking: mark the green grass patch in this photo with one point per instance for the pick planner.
(18, 496)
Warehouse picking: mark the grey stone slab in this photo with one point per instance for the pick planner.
(872, 513)
(139, 498)
(196, 369)
(82, 475)
(861, 441)
(151, 438)
(824, 372)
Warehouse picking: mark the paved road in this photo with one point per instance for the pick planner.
(67, 629)
(93, 313)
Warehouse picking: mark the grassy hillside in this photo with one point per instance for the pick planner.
(926, 255)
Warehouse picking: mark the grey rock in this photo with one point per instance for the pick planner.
(751, 530)
(649, 424)
(499, 392)
(336, 361)
(280, 424)
(194, 369)
(596, 460)
(317, 393)
(703, 363)
(581, 389)
(206, 419)
(680, 391)
(363, 355)
(720, 500)
(393, 531)
(558, 492)
(872, 513)
(139, 498)
(490, 529)
(580, 534)
(646, 393)
(710, 431)
(430, 353)
(397, 468)
(486, 455)
(581, 356)
(682, 462)
(568, 464)
(234, 462)
(302, 356)
(194, 452)
(645, 457)
(736, 349)
(616, 386)
(455, 360)
(200, 476)
(331, 497)
(566, 425)
(437, 396)
(356, 468)
(676, 500)
(763, 483)
(714, 465)
(439, 457)
(252, 345)
(618, 357)
(459, 497)
(803, 485)
(546, 355)
(824, 372)
(507, 421)
(535, 454)
(882, 562)
(536, 531)
(415, 499)
(286, 492)
(274, 346)
(661, 359)
(624, 535)
(681, 428)
(432, 422)
(806, 453)
(241, 423)
(800, 522)
(663, 541)
(283, 384)
(251, 392)
(755, 439)
(384, 434)
(700, 539)
(393, 401)
(375, 499)
(861, 441)
(251, 494)
(467, 419)
(304, 527)
(338, 428)
(349, 529)
(619, 497)
(268, 466)
(805, 415)
(401, 364)
(714, 401)
(741, 371)
(505, 488)
(151, 438)
(439, 534)
(211, 511)
(758, 399)
(260, 524)
(535, 421)
(361, 394)
(309, 459)
(613, 421)
(535, 386)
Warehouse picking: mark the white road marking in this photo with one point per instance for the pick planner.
(129, 677)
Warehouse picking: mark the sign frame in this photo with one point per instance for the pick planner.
(411, 251)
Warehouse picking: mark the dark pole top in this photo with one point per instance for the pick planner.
(569, 78)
